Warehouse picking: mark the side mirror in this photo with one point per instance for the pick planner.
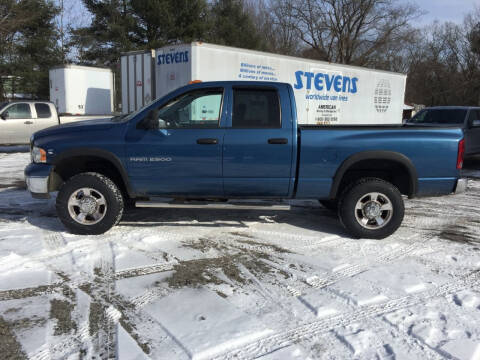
(476, 123)
(4, 115)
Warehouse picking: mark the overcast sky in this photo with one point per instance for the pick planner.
(445, 10)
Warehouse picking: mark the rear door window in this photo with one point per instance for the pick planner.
(19, 111)
(43, 110)
(256, 108)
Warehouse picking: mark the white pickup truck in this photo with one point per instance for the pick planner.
(19, 119)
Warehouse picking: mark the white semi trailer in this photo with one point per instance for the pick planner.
(82, 90)
(325, 93)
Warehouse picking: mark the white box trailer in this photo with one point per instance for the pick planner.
(325, 93)
(138, 80)
(82, 90)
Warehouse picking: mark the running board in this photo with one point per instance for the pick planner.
(212, 205)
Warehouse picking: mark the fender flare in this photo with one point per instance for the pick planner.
(98, 153)
(376, 155)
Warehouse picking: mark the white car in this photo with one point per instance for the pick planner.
(20, 119)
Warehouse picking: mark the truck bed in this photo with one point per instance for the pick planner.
(324, 148)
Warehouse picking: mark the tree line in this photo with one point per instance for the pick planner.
(442, 60)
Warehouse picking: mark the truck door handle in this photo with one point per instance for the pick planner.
(207, 141)
(28, 122)
(278, 141)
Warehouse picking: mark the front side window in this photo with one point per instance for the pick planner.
(18, 111)
(256, 108)
(195, 109)
(43, 111)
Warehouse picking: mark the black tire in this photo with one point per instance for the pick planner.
(356, 193)
(330, 204)
(113, 208)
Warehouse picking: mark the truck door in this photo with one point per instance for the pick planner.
(258, 146)
(184, 156)
(16, 124)
(472, 133)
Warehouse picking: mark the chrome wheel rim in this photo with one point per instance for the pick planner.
(87, 206)
(373, 210)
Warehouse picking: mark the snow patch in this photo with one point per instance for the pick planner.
(203, 323)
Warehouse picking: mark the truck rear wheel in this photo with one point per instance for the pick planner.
(371, 208)
(89, 204)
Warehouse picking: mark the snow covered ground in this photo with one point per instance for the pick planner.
(202, 284)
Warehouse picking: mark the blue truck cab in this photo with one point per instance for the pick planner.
(225, 141)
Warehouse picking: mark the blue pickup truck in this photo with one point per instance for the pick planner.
(227, 141)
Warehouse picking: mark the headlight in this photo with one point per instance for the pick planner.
(38, 155)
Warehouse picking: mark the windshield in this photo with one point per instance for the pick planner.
(439, 117)
(2, 105)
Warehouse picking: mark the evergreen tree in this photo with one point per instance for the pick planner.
(163, 22)
(109, 34)
(231, 25)
(28, 46)
(124, 25)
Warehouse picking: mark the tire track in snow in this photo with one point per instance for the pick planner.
(53, 240)
(103, 317)
(385, 335)
(147, 297)
(72, 344)
(309, 241)
(62, 349)
(143, 270)
(347, 271)
(355, 269)
(285, 338)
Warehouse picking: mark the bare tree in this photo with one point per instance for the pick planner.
(277, 27)
(445, 69)
(350, 31)
(72, 15)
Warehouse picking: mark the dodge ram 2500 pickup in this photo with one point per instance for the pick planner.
(225, 141)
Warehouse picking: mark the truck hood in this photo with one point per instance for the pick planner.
(78, 126)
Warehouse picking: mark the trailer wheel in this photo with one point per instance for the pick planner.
(89, 204)
(371, 208)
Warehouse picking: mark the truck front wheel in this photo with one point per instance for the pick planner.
(371, 208)
(89, 204)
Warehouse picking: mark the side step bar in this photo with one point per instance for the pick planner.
(213, 205)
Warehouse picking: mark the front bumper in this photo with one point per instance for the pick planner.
(461, 186)
(37, 178)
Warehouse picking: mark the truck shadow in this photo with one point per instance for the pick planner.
(16, 204)
(315, 219)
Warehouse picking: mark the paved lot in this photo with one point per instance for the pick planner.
(180, 284)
